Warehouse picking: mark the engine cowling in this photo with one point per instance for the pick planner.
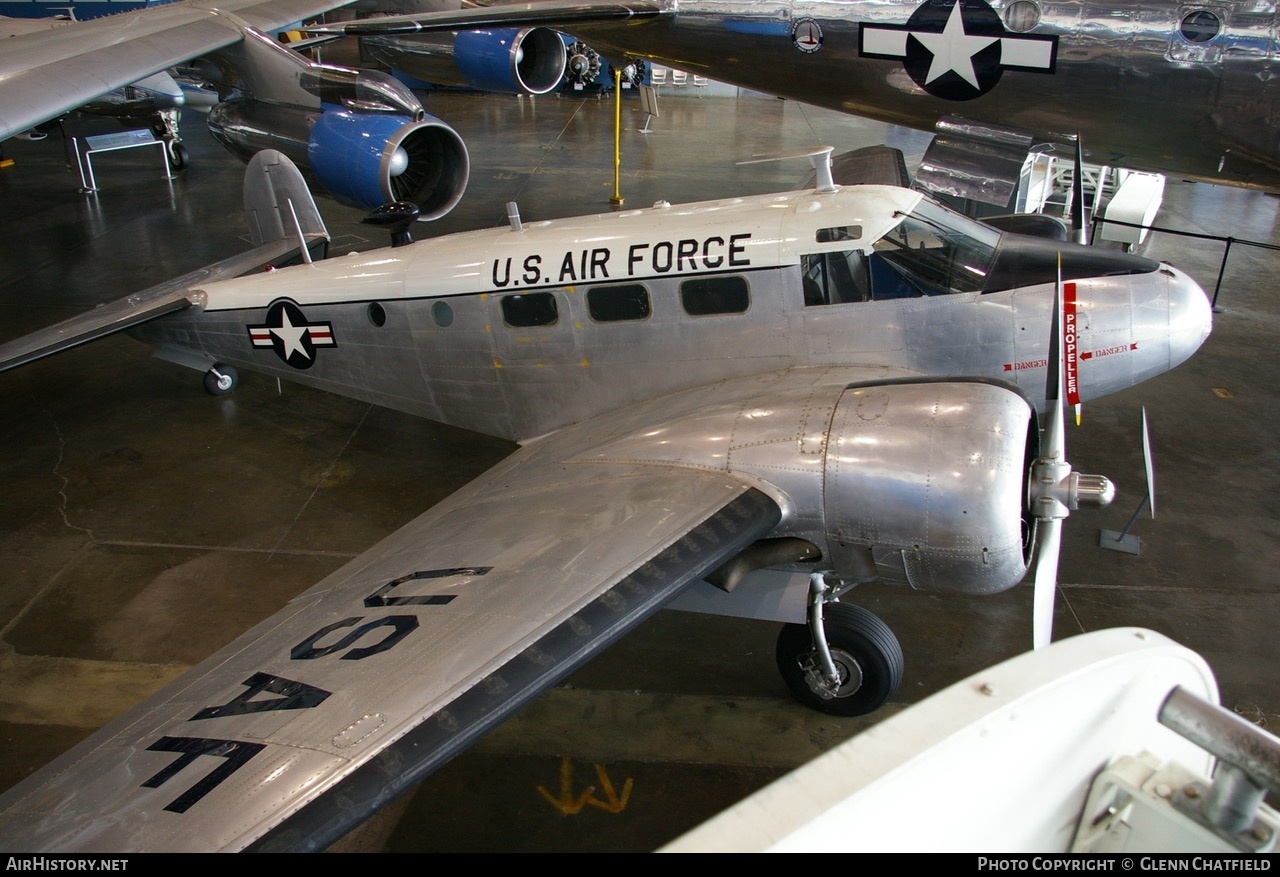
(359, 159)
(927, 482)
(510, 61)
(917, 481)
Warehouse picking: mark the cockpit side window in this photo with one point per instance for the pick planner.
(835, 278)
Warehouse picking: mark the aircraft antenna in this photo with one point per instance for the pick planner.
(302, 239)
(513, 216)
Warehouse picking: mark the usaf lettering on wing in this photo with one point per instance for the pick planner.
(687, 255)
(291, 694)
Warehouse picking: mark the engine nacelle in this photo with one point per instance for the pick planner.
(510, 61)
(925, 484)
(359, 159)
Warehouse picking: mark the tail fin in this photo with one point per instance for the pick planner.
(277, 203)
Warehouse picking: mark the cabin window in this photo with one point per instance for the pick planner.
(442, 314)
(377, 315)
(715, 295)
(1200, 26)
(610, 304)
(530, 309)
(838, 233)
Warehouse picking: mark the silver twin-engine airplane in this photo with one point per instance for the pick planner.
(1178, 88)
(842, 383)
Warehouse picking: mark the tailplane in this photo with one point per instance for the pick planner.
(283, 222)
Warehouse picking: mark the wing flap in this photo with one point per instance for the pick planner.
(301, 728)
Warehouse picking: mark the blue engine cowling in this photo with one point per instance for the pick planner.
(513, 61)
(369, 161)
(523, 61)
(359, 159)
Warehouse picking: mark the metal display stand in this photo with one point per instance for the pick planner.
(113, 143)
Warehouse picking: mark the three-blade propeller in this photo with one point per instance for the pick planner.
(1054, 491)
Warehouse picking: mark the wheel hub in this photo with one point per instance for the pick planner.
(846, 665)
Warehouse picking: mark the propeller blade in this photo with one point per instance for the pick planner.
(1048, 547)
(1054, 440)
(1079, 222)
(1053, 490)
(1146, 459)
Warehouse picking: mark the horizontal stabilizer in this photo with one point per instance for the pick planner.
(174, 295)
(282, 218)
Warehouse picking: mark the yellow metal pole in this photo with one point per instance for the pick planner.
(616, 200)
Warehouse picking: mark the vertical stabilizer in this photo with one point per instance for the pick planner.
(272, 184)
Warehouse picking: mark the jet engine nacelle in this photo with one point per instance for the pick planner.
(925, 484)
(509, 61)
(359, 159)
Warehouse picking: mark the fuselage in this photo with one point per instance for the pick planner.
(518, 333)
(1164, 87)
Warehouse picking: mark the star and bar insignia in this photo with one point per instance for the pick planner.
(288, 332)
(957, 49)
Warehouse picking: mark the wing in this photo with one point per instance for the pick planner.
(308, 723)
(547, 13)
(54, 71)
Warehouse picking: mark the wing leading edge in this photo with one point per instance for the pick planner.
(54, 71)
(303, 727)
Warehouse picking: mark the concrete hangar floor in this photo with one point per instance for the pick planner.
(145, 523)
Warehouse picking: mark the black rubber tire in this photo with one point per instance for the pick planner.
(221, 380)
(853, 635)
(179, 158)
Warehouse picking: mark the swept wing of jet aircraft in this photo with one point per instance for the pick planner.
(1173, 88)
(361, 136)
(836, 380)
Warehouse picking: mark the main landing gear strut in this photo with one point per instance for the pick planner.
(844, 661)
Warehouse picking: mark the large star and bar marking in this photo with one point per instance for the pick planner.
(957, 49)
(288, 332)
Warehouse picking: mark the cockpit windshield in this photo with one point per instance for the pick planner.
(936, 251)
(932, 251)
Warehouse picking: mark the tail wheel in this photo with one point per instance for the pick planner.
(864, 650)
(221, 380)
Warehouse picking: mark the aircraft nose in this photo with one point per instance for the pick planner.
(1190, 316)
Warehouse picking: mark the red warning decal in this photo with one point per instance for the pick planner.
(1070, 346)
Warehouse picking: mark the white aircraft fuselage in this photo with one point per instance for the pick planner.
(500, 330)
